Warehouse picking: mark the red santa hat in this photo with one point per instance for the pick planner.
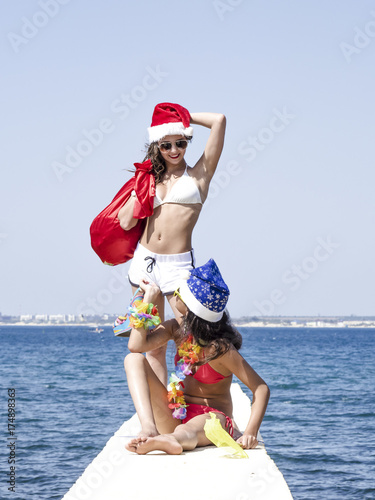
(169, 119)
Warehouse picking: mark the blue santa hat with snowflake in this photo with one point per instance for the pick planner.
(205, 292)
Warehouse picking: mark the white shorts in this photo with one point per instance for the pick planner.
(165, 270)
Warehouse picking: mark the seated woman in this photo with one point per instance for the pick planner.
(207, 357)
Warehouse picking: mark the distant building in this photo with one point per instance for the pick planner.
(57, 318)
(26, 317)
(41, 317)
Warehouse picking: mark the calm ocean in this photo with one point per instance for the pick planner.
(71, 396)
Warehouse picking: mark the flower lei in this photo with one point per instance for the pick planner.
(143, 315)
(189, 355)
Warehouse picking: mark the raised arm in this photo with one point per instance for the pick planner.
(261, 393)
(206, 166)
(141, 340)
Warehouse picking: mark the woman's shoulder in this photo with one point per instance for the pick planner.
(226, 362)
(230, 356)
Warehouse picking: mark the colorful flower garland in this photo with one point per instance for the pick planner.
(122, 324)
(188, 353)
(143, 315)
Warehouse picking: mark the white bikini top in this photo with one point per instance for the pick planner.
(184, 191)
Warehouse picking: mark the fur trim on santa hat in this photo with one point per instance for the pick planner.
(169, 119)
(158, 132)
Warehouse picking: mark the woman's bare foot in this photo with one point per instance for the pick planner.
(143, 445)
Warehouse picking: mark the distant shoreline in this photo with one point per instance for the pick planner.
(261, 323)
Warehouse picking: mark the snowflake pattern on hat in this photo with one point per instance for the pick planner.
(208, 287)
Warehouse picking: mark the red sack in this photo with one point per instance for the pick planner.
(112, 244)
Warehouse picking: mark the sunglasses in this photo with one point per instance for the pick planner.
(177, 294)
(167, 146)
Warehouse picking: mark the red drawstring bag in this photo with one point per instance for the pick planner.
(112, 244)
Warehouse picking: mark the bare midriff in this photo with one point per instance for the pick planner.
(169, 229)
(215, 395)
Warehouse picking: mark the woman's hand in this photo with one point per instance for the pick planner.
(247, 441)
(150, 290)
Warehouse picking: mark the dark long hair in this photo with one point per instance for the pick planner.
(219, 335)
(158, 163)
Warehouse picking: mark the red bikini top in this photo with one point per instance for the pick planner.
(205, 373)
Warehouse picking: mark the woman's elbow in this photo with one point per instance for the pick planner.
(134, 346)
(220, 123)
(221, 119)
(127, 224)
(263, 391)
(267, 392)
(135, 350)
(131, 348)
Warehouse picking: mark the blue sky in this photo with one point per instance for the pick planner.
(290, 219)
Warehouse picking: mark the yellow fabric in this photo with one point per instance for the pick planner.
(220, 438)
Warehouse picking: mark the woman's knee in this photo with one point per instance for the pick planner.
(180, 427)
(190, 430)
(188, 435)
(132, 359)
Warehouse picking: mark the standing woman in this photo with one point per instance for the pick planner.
(164, 252)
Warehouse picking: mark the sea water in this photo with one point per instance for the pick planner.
(71, 396)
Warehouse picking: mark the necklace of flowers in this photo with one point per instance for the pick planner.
(143, 314)
(188, 353)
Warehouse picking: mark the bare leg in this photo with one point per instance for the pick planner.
(172, 302)
(149, 397)
(157, 357)
(192, 435)
(158, 362)
(185, 437)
